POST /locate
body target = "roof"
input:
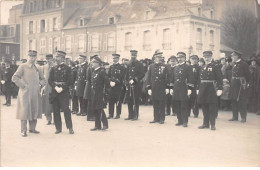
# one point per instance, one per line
(20, 6)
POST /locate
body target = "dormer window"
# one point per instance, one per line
(147, 14)
(111, 20)
(211, 14)
(81, 22)
(199, 12)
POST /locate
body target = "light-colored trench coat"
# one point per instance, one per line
(28, 78)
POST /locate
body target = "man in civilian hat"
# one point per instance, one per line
(158, 87)
(116, 75)
(209, 88)
(98, 84)
(134, 75)
(7, 82)
(29, 79)
(194, 59)
(60, 79)
(46, 90)
(81, 82)
(170, 105)
(182, 84)
(238, 89)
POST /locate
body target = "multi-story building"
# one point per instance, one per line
(9, 50)
(14, 14)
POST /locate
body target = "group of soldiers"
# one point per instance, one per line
(85, 89)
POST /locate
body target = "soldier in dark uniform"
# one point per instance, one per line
(209, 88)
(81, 82)
(116, 75)
(182, 85)
(60, 79)
(98, 87)
(134, 75)
(15, 90)
(73, 88)
(158, 87)
(169, 102)
(7, 82)
(238, 89)
(193, 97)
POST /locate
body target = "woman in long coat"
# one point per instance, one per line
(29, 107)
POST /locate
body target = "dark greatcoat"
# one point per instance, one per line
(81, 79)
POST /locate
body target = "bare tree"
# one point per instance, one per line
(238, 29)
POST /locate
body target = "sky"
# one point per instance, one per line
(5, 6)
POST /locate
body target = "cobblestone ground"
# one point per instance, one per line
(132, 143)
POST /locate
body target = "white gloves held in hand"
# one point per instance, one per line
(2, 82)
(150, 92)
(167, 91)
(189, 92)
(219, 92)
(171, 91)
(112, 84)
(131, 81)
(58, 89)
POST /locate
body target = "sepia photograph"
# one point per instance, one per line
(129, 83)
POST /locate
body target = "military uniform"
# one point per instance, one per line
(60, 76)
(134, 72)
(158, 83)
(15, 89)
(210, 80)
(74, 97)
(116, 74)
(8, 85)
(81, 82)
(238, 89)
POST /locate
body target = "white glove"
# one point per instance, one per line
(2, 82)
(150, 92)
(171, 91)
(43, 91)
(219, 92)
(58, 89)
(197, 91)
(189, 92)
(167, 91)
(131, 81)
(112, 84)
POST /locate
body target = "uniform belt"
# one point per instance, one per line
(207, 81)
(238, 78)
(59, 83)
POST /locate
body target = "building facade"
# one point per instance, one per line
(10, 51)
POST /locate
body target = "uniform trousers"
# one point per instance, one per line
(133, 109)
(111, 107)
(83, 105)
(209, 113)
(159, 110)
(32, 125)
(75, 103)
(239, 106)
(182, 110)
(100, 116)
(8, 97)
(193, 103)
(62, 102)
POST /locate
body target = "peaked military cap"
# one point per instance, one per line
(49, 56)
(237, 53)
(194, 56)
(181, 54)
(92, 57)
(83, 56)
(32, 53)
(24, 60)
(157, 54)
(133, 52)
(115, 55)
(173, 57)
(207, 53)
(61, 53)
(7, 60)
(96, 59)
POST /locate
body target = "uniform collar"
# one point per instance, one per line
(238, 60)
(182, 63)
(30, 64)
(97, 68)
(116, 63)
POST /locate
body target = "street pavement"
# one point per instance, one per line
(131, 143)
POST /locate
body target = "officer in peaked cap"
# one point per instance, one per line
(238, 89)
(60, 79)
(134, 75)
(194, 59)
(183, 84)
(32, 53)
(7, 81)
(210, 87)
(98, 84)
(116, 74)
(157, 84)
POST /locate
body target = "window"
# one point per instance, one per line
(31, 7)
(30, 27)
(199, 39)
(199, 12)
(42, 46)
(166, 39)
(147, 15)
(30, 44)
(68, 44)
(1, 32)
(43, 25)
(55, 24)
(111, 20)
(7, 49)
(211, 15)
(147, 40)
(81, 22)
(111, 42)
(128, 41)
(81, 43)
(55, 44)
(211, 40)
(57, 3)
(94, 42)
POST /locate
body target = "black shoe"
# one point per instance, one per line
(185, 125)
(243, 121)
(49, 123)
(174, 114)
(167, 114)
(73, 112)
(34, 131)
(135, 118)
(58, 131)
(84, 114)
(71, 131)
(195, 116)
(8, 104)
(109, 117)
(178, 124)
(213, 128)
(95, 129)
(104, 128)
(24, 134)
(233, 119)
(79, 114)
(128, 118)
(203, 127)
(161, 122)
(153, 121)
(5, 104)
(117, 117)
